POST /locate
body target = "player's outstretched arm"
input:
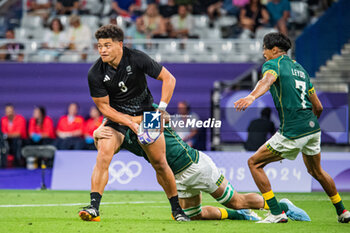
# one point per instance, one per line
(260, 89)
(317, 107)
(102, 104)
(168, 86)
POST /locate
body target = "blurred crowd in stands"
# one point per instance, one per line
(72, 132)
(145, 19)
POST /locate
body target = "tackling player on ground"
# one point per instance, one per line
(195, 172)
(118, 86)
(298, 107)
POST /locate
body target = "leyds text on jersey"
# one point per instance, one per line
(298, 73)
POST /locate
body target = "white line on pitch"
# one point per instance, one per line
(135, 202)
(82, 204)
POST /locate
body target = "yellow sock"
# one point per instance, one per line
(338, 204)
(266, 206)
(271, 201)
(335, 199)
(268, 195)
(224, 214)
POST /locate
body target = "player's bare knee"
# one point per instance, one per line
(234, 203)
(315, 174)
(103, 160)
(159, 165)
(251, 163)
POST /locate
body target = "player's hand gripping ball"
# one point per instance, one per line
(147, 136)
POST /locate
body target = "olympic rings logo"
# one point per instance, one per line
(125, 173)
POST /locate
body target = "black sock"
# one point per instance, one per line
(95, 198)
(174, 202)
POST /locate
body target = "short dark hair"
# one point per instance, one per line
(110, 31)
(277, 39)
(9, 105)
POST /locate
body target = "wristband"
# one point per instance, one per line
(162, 106)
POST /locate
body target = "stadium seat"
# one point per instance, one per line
(213, 33)
(41, 58)
(69, 58)
(200, 25)
(156, 56)
(196, 47)
(236, 58)
(105, 20)
(261, 32)
(177, 58)
(299, 13)
(90, 20)
(92, 58)
(32, 47)
(94, 7)
(249, 47)
(107, 7)
(38, 33)
(226, 21)
(209, 58)
(64, 20)
(169, 47)
(22, 33)
(222, 48)
(121, 22)
(31, 22)
(200, 21)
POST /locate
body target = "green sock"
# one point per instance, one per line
(234, 215)
(284, 207)
(274, 206)
(339, 207)
(338, 203)
(272, 202)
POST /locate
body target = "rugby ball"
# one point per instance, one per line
(147, 136)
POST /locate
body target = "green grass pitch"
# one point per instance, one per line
(121, 211)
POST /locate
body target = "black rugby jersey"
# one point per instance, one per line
(126, 86)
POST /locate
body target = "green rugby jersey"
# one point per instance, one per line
(290, 93)
(179, 155)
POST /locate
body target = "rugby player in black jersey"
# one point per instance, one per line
(118, 86)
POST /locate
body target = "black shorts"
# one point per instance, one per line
(123, 128)
(118, 127)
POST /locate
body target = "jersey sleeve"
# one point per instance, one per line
(271, 68)
(147, 64)
(96, 86)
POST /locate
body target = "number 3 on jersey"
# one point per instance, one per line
(122, 86)
(301, 85)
